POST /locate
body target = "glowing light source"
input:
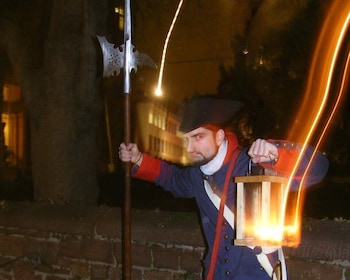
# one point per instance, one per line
(261, 212)
(158, 90)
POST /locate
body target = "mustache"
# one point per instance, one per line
(204, 160)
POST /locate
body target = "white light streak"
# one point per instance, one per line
(158, 91)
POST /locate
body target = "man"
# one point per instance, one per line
(211, 149)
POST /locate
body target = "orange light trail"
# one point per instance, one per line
(344, 83)
(321, 76)
(158, 90)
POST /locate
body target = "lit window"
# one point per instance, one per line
(120, 12)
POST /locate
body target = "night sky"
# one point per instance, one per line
(201, 39)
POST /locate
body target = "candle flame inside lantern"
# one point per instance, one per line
(274, 233)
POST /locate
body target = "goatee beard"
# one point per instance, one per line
(203, 161)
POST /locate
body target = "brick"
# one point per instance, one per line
(23, 271)
(64, 262)
(88, 249)
(80, 270)
(347, 274)
(99, 272)
(165, 257)
(33, 233)
(60, 236)
(5, 276)
(45, 251)
(11, 246)
(190, 260)
(307, 270)
(115, 273)
(156, 275)
(141, 255)
(6, 264)
(51, 277)
(117, 251)
(47, 269)
(187, 276)
(137, 274)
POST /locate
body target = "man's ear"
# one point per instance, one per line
(220, 136)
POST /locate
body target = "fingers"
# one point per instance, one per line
(130, 153)
(261, 151)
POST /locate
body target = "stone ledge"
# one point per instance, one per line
(321, 239)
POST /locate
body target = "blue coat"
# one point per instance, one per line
(233, 262)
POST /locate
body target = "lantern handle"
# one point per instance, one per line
(250, 168)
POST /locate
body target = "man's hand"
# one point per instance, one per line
(262, 151)
(130, 153)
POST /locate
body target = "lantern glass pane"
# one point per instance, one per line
(252, 207)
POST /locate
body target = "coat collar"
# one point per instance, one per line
(232, 145)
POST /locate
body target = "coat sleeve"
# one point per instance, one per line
(311, 169)
(148, 170)
(175, 179)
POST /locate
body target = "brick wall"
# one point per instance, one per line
(51, 242)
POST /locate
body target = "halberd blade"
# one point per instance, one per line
(113, 58)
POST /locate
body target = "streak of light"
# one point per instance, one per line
(342, 91)
(321, 75)
(158, 90)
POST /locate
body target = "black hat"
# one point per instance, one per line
(204, 110)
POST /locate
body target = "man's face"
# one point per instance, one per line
(202, 145)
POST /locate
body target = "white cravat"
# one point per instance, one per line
(214, 165)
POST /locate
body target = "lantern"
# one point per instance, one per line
(261, 212)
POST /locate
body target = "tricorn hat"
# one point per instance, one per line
(207, 110)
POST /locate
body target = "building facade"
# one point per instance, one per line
(157, 131)
(13, 133)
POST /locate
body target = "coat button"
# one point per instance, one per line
(227, 248)
(257, 250)
(227, 272)
(227, 260)
(226, 236)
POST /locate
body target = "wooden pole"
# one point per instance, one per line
(113, 61)
(126, 249)
(127, 127)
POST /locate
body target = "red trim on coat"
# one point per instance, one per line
(232, 145)
(149, 168)
(286, 161)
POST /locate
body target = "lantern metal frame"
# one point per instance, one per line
(261, 205)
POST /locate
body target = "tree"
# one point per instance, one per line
(271, 63)
(53, 53)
